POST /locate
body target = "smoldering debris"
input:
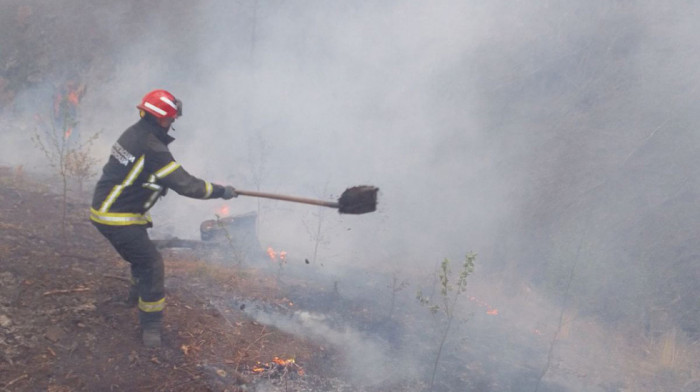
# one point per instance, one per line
(366, 357)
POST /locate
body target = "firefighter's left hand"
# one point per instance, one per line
(229, 193)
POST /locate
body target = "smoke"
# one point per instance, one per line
(347, 99)
(548, 137)
(341, 95)
(366, 358)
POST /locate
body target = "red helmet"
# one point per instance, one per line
(161, 104)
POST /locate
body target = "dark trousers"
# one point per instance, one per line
(147, 270)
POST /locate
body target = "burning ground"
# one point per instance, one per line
(63, 327)
(235, 325)
(228, 327)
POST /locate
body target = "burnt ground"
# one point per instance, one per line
(63, 326)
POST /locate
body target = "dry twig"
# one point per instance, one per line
(20, 378)
(79, 257)
(68, 291)
(117, 277)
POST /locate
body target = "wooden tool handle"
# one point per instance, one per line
(331, 204)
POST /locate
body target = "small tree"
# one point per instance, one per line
(65, 152)
(315, 230)
(449, 293)
(281, 259)
(237, 253)
(317, 225)
(395, 286)
(80, 165)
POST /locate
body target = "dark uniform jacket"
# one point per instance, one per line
(141, 169)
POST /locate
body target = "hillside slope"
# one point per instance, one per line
(63, 326)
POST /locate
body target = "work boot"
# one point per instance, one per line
(151, 334)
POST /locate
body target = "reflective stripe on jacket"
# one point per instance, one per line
(140, 169)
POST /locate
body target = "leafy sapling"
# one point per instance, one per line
(449, 294)
(66, 153)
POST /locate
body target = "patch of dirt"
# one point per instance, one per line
(63, 326)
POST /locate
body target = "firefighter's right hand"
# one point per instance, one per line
(229, 193)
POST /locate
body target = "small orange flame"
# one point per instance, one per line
(73, 97)
(275, 365)
(223, 211)
(69, 131)
(273, 255)
(74, 92)
(69, 97)
(481, 303)
(271, 252)
(283, 362)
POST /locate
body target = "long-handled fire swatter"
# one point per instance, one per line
(356, 200)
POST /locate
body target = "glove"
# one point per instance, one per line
(229, 193)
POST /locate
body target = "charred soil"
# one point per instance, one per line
(63, 325)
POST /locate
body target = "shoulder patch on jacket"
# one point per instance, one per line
(121, 154)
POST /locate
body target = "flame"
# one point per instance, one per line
(481, 303)
(223, 210)
(283, 362)
(65, 106)
(73, 97)
(74, 92)
(275, 365)
(271, 252)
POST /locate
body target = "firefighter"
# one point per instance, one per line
(139, 171)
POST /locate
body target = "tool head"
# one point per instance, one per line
(358, 200)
